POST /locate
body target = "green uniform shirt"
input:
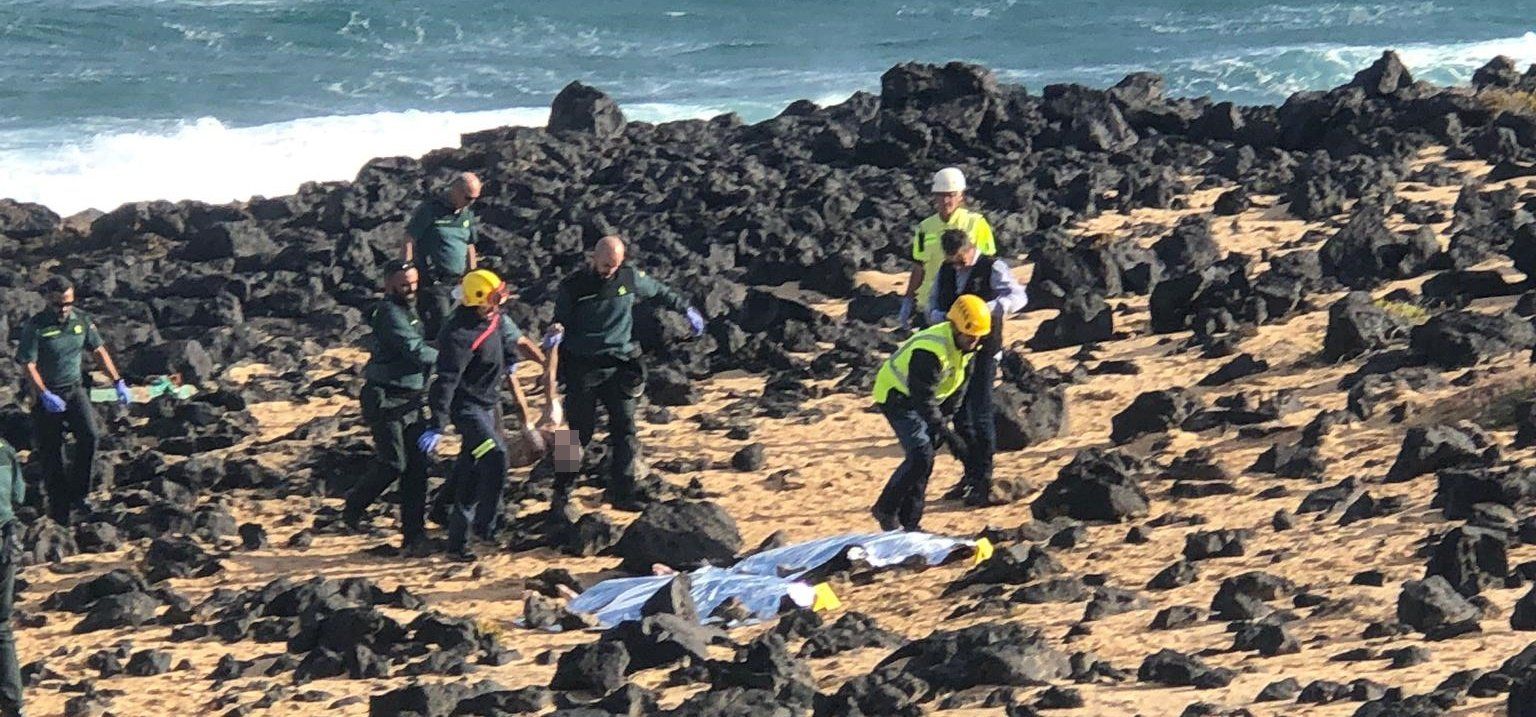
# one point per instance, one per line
(599, 314)
(13, 489)
(928, 245)
(443, 237)
(401, 357)
(55, 346)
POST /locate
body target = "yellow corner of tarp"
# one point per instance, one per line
(983, 551)
(825, 599)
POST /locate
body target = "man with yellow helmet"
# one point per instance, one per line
(474, 352)
(911, 389)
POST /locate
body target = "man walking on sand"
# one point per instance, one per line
(440, 241)
(948, 189)
(475, 354)
(600, 362)
(394, 407)
(52, 343)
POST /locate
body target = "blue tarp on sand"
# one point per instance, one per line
(761, 582)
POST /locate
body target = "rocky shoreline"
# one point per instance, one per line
(729, 213)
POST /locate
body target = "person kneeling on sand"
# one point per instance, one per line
(913, 387)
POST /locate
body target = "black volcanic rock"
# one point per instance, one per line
(580, 108)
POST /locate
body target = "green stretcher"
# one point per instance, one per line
(160, 386)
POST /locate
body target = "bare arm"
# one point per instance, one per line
(530, 350)
(519, 398)
(37, 379)
(915, 280)
(551, 388)
(410, 249)
(474, 257)
(106, 362)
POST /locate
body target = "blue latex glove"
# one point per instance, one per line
(429, 440)
(123, 396)
(696, 320)
(904, 317)
(552, 339)
(52, 403)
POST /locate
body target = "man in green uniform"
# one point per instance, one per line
(394, 406)
(600, 363)
(441, 241)
(51, 345)
(927, 246)
(13, 492)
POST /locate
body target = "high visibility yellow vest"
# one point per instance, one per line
(939, 340)
(927, 245)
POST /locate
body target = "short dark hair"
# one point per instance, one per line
(56, 284)
(399, 266)
(953, 240)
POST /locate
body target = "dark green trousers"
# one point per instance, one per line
(10, 667)
(396, 418)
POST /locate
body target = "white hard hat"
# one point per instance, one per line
(948, 179)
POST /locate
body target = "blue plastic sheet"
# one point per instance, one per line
(762, 581)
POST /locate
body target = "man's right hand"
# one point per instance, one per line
(52, 403)
(429, 440)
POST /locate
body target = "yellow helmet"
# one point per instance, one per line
(970, 316)
(482, 287)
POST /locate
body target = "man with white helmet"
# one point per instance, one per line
(927, 251)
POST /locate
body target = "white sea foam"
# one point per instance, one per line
(209, 161)
(1272, 73)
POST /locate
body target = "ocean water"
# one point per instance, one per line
(108, 101)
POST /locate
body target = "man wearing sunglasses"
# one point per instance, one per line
(441, 242)
(51, 346)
